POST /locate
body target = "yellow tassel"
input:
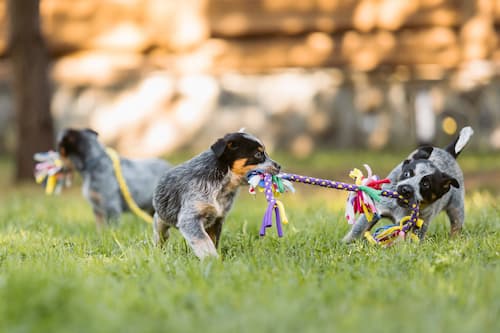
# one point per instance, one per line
(281, 209)
(368, 213)
(39, 179)
(51, 184)
(356, 174)
(370, 238)
(388, 232)
(414, 238)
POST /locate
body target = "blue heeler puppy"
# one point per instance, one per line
(81, 150)
(430, 176)
(195, 196)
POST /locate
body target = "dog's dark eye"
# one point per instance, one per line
(407, 174)
(425, 184)
(259, 155)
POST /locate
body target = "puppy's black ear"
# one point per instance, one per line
(423, 153)
(449, 180)
(91, 131)
(219, 147)
(232, 145)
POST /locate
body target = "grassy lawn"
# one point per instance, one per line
(57, 274)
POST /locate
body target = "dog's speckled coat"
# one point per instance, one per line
(196, 196)
(82, 150)
(443, 174)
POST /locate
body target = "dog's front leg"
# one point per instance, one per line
(215, 230)
(191, 225)
(99, 218)
(160, 230)
(95, 199)
(357, 230)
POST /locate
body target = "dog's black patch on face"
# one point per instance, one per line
(71, 143)
(434, 186)
(240, 150)
(423, 153)
(75, 142)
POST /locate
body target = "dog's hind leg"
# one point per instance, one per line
(455, 212)
(160, 230)
(191, 227)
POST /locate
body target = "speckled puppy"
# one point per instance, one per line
(431, 176)
(196, 195)
(81, 150)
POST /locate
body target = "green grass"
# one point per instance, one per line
(57, 274)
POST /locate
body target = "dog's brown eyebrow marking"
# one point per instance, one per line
(261, 149)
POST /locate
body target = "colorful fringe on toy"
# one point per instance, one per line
(405, 229)
(362, 202)
(50, 172)
(271, 185)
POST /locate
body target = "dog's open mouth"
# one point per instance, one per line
(273, 170)
(407, 195)
(405, 203)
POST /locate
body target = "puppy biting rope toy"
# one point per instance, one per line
(50, 172)
(365, 192)
(271, 185)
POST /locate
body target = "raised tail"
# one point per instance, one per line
(456, 147)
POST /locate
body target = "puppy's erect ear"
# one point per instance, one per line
(449, 180)
(91, 131)
(219, 147)
(423, 153)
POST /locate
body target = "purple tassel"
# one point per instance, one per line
(267, 220)
(278, 222)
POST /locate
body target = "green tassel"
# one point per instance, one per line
(279, 183)
(372, 193)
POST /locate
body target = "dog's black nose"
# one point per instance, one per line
(276, 165)
(406, 191)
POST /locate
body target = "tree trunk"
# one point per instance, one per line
(31, 85)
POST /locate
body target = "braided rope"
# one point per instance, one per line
(342, 186)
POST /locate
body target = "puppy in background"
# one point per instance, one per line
(430, 176)
(195, 196)
(81, 150)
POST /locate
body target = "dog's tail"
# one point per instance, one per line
(456, 147)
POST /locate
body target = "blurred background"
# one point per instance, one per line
(155, 77)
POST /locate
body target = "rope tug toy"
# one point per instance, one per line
(271, 185)
(365, 192)
(50, 172)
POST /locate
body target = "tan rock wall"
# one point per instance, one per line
(153, 75)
